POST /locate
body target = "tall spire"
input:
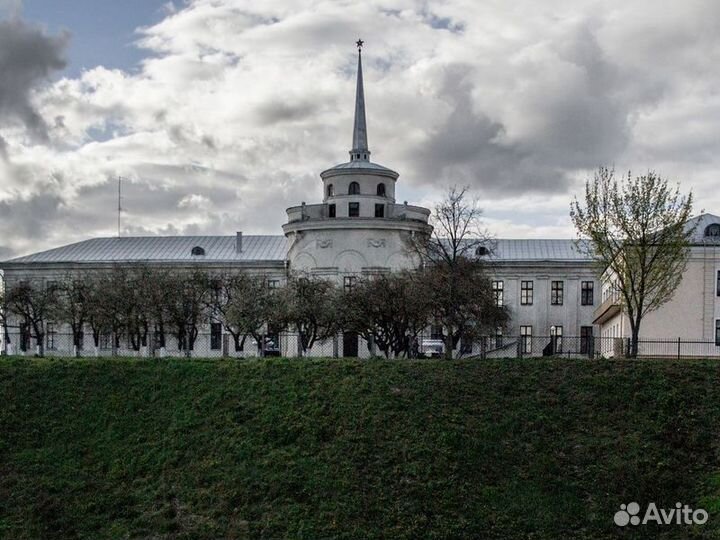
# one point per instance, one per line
(360, 151)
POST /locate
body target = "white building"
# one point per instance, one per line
(549, 286)
(689, 324)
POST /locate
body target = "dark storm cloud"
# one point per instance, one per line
(6, 253)
(577, 129)
(275, 112)
(28, 56)
(30, 217)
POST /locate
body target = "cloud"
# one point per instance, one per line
(28, 56)
(239, 105)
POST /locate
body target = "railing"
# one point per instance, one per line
(320, 212)
(208, 345)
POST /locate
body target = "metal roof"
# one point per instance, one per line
(164, 249)
(259, 248)
(536, 250)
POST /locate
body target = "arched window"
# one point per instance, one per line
(381, 190)
(197, 251)
(713, 230)
(354, 188)
(330, 190)
(482, 251)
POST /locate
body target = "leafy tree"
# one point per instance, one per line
(310, 306)
(390, 310)
(639, 235)
(4, 315)
(34, 303)
(74, 298)
(187, 299)
(455, 274)
(244, 304)
(462, 302)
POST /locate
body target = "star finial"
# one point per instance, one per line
(359, 43)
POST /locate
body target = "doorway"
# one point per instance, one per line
(350, 344)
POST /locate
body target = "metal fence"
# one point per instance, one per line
(223, 345)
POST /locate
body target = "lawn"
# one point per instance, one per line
(127, 448)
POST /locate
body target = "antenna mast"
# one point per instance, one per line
(119, 207)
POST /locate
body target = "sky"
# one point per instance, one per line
(219, 114)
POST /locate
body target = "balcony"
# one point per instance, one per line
(395, 212)
(608, 309)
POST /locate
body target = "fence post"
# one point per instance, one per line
(678, 356)
(520, 347)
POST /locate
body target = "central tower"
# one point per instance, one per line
(358, 228)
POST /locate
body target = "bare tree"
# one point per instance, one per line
(455, 271)
(34, 303)
(457, 230)
(639, 235)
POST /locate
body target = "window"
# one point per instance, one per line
(330, 190)
(498, 290)
(482, 251)
(436, 331)
(526, 339)
(349, 283)
(381, 190)
(50, 336)
(354, 188)
(717, 332)
(586, 293)
(215, 336)
(273, 283)
(379, 210)
(526, 293)
(556, 293)
(586, 340)
(197, 251)
(498, 337)
(556, 333)
(106, 340)
(331, 210)
(353, 209)
(713, 230)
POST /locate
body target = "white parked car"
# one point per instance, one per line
(432, 348)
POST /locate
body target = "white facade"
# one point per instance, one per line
(692, 316)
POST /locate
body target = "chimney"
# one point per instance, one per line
(238, 242)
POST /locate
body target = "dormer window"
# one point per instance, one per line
(381, 190)
(330, 190)
(713, 230)
(197, 251)
(354, 188)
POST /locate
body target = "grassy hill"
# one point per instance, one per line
(349, 449)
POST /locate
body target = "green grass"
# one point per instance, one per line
(350, 449)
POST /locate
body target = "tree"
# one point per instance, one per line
(35, 304)
(310, 307)
(639, 235)
(244, 304)
(455, 273)
(187, 299)
(4, 317)
(390, 310)
(74, 297)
